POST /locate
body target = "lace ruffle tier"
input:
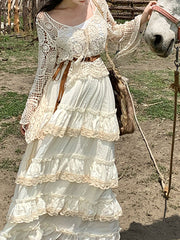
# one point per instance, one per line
(94, 117)
(75, 159)
(61, 228)
(64, 234)
(96, 172)
(83, 186)
(53, 204)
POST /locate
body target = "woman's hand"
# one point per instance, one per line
(147, 12)
(24, 128)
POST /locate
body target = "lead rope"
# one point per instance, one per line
(176, 87)
(166, 188)
(161, 177)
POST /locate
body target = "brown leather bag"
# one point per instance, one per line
(123, 101)
(123, 98)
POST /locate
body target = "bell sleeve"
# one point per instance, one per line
(46, 63)
(124, 38)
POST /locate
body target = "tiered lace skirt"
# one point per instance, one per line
(65, 179)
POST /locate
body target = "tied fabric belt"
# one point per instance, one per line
(65, 74)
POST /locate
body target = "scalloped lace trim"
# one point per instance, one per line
(28, 210)
(67, 177)
(72, 132)
(71, 167)
(60, 132)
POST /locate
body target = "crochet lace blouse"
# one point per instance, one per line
(59, 42)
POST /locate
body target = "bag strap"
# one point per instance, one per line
(106, 47)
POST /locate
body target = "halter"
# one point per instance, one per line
(176, 87)
(169, 16)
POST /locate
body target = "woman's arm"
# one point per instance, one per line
(46, 63)
(124, 38)
(147, 12)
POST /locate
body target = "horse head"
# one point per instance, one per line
(161, 33)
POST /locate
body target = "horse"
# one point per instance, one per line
(162, 33)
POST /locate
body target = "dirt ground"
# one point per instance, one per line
(139, 192)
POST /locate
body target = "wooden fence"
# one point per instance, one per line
(18, 13)
(21, 13)
(126, 9)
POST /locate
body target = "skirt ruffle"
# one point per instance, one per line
(88, 109)
(42, 204)
(65, 179)
(61, 228)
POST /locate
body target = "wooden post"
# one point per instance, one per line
(132, 12)
(34, 11)
(30, 15)
(9, 16)
(0, 14)
(4, 14)
(16, 17)
(25, 15)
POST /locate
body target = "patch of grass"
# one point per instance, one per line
(121, 21)
(162, 169)
(174, 207)
(169, 134)
(151, 91)
(3, 88)
(161, 108)
(7, 129)
(139, 95)
(9, 164)
(152, 80)
(18, 151)
(11, 104)
(16, 53)
(24, 70)
(154, 177)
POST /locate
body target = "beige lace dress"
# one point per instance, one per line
(65, 179)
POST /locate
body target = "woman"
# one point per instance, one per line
(65, 179)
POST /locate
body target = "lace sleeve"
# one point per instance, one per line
(122, 38)
(46, 63)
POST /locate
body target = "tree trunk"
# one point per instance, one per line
(25, 15)
(16, 17)
(34, 11)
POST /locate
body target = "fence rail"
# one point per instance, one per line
(126, 9)
(14, 12)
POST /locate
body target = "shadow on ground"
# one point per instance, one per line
(159, 230)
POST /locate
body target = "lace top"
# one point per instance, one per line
(59, 42)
